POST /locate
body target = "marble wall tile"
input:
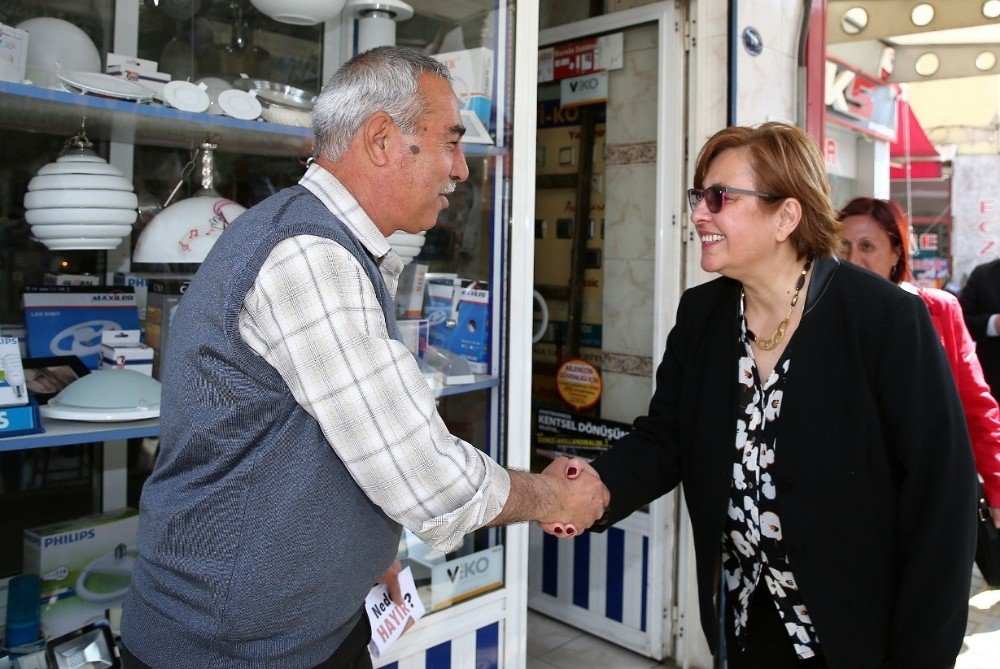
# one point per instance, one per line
(624, 363)
(777, 21)
(627, 311)
(640, 37)
(636, 153)
(632, 99)
(629, 212)
(766, 88)
(625, 397)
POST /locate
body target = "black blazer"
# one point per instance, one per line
(874, 468)
(980, 298)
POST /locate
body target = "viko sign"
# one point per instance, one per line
(586, 90)
(466, 577)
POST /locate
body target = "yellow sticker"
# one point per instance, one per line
(579, 383)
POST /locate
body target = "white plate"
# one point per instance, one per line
(85, 215)
(53, 410)
(79, 181)
(77, 231)
(105, 84)
(110, 199)
(239, 104)
(79, 167)
(186, 96)
(82, 244)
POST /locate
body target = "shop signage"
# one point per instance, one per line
(586, 90)
(573, 434)
(927, 241)
(986, 227)
(579, 383)
(860, 101)
(830, 151)
(586, 56)
(465, 577)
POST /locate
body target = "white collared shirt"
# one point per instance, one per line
(314, 316)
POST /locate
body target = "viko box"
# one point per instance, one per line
(85, 567)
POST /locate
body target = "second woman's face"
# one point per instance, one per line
(865, 242)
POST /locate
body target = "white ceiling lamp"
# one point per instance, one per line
(377, 21)
(185, 231)
(299, 12)
(80, 201)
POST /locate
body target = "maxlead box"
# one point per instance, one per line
(68, 320)
(85, 567)
(472, 78)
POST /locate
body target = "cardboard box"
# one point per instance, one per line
(71, 279)
(150, 79)
(131, 62)
(415, 335)
(439, 305)
(472, 74)
(13, 53)
(122, 349)
(410, 291)
(140, 281)
(161, 302)
(13, 392)
(68, 320)
(470, 338)
(84, 565)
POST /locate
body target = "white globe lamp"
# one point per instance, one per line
(299, 12)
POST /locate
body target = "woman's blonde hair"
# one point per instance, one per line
(785, 162)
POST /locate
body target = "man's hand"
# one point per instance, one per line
(391, 580)
(570, 470)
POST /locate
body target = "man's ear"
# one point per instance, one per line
(377, 134)
(789, 216)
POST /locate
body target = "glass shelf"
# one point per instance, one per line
(36, 109)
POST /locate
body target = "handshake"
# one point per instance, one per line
(581, 498)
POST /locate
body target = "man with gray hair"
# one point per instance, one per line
(297, 432)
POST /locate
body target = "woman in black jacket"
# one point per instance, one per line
(808, 409)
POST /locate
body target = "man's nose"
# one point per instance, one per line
(460, 168)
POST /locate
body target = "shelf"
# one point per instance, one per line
(482, 382)
(36, 109)
(68, 432)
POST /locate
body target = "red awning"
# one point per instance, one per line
(912, 148)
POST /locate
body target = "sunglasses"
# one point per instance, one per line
(715, 196)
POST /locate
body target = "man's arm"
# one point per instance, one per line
(555, 498)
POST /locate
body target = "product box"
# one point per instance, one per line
(140, 281)
(131, 62)
(162, 299)
(410, 291)
(470, 336)
(472, 75)
(68, 320)
(440, 307)
(123, 349)
(150, 79)
(415, 335)
(13, 392)
(13, 53)
(85, 567)
(71, 279)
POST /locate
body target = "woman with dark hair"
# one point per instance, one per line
(876, 236)
(825, 462)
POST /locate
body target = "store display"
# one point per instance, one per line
(123, 349)
(110, 395)
(13, 53)
(240, 104)
(214, 86)
(12, 389)
(24, 616)
(80, 201)
(377, 21)
(186, 96)
(163, 296)
(105, 84)
(275, 93)
(153, 80)
(299, 12)
(407, 245)
(54, 44)
(185, 231)
(472, 79)
(93, 645)
(284, 116)
(47, 376)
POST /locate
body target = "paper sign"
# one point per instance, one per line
(388, 619)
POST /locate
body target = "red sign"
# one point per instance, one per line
(575, 58)
(928, 241)
(831, 151)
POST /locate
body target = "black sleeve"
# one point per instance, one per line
(977, 315)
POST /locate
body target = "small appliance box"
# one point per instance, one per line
(68, 320)
(13, 53)
(472, 75)
(140, 282)
(85, 567)
(471, 336)
(410, 291)
(161, 302)
(122, 349)
(71, 279)
(415, 334)
(13, 392)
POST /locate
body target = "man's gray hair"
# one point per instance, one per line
(382, 79)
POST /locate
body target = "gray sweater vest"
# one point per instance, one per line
(256, 547)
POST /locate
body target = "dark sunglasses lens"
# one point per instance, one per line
(694, 197)
(713, 198)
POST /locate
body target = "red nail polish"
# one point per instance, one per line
(571, 471)
(557, 530)
(570, 531)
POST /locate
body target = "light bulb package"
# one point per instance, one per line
(84, 566)
(12, 389)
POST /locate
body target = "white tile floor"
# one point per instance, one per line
(553, 645)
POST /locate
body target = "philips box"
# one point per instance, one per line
(85, 567)
(140, 282)
(472, 78)
(13, 392)
(121, 349)
(68, 320)
(470, 337)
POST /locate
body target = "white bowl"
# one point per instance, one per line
(79, 167)
(79, 181)
(114, 199)
(300, 12)
(83, 244)
(107, 395)
(54, 44)
(81, 216)
(80, 230)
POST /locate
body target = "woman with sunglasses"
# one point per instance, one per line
(876, 236)
(826, 467)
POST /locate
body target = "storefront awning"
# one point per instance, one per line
(912, 148)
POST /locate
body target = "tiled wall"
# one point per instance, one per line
(766, 83)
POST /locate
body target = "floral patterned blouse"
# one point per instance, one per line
(752, 541)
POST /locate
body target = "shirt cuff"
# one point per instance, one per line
(993, 326)
(445, 533)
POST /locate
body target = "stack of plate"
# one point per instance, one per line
(80, 202)
(407, 245)
(282, 104)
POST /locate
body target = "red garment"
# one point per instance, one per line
(981, 412)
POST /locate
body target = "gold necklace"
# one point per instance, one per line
(770, 343)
